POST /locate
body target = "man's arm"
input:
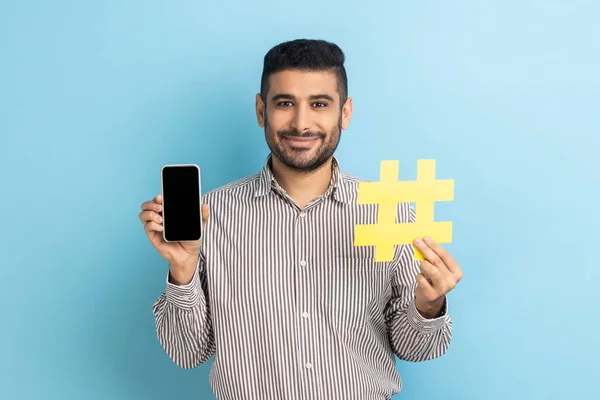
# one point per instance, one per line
(414, 337)
(418, 330)
(183, 324)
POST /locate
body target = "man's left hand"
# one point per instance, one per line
(439, 275)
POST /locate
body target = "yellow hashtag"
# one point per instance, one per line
(387, 193)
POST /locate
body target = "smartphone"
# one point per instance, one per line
(181, 193)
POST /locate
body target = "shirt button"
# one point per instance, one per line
(304, 314)
(186, 298)
(303, 263)
(308, 365)
(302, 214)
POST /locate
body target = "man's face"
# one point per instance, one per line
(302, 117)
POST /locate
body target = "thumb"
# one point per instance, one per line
(204, 214)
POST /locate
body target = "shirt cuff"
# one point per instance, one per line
(185, 296)
(426, 325)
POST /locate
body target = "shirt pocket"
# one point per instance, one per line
(354, 292)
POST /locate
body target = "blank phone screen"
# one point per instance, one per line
(182, 217)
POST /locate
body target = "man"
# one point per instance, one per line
(277, 291)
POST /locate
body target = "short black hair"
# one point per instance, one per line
(308, 55)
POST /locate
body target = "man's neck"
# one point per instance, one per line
(302, 187)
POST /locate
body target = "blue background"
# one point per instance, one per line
(96, 96)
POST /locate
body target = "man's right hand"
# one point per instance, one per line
(182, 256)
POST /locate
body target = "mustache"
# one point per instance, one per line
(295, 133)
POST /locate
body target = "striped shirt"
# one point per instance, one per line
(288, 306)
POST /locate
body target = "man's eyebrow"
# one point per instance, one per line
(287, 96)
(282, 96)
(321, 97)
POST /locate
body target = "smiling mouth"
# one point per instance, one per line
(301, 141)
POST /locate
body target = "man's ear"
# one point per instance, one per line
(346, 113)
(260, 111)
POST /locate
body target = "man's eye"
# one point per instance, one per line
(320, 104)
(284, 104)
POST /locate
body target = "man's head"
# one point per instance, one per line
(304, 104)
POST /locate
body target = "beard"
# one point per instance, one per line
(303, 159)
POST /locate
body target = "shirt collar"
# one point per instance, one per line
(267, 182)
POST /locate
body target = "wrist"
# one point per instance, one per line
(432, 309)
(182, 274)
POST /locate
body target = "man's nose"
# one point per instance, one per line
(301, 121)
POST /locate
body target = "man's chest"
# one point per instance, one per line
(303, 263)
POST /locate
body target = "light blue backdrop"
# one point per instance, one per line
(96, 96)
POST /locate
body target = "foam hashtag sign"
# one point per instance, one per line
(387, 193)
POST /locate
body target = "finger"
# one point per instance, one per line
(430, 272)
(151, 226)
(158, 203)
(429, 254)
(146, 216)
(444, 255)
(423, 282)
(152, 205)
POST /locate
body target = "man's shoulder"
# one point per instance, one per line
(351, 182)
(245, 186)
(352, 179)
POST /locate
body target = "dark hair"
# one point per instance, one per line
(308, 55)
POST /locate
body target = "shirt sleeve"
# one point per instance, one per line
(412, 336)
(183, 323)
